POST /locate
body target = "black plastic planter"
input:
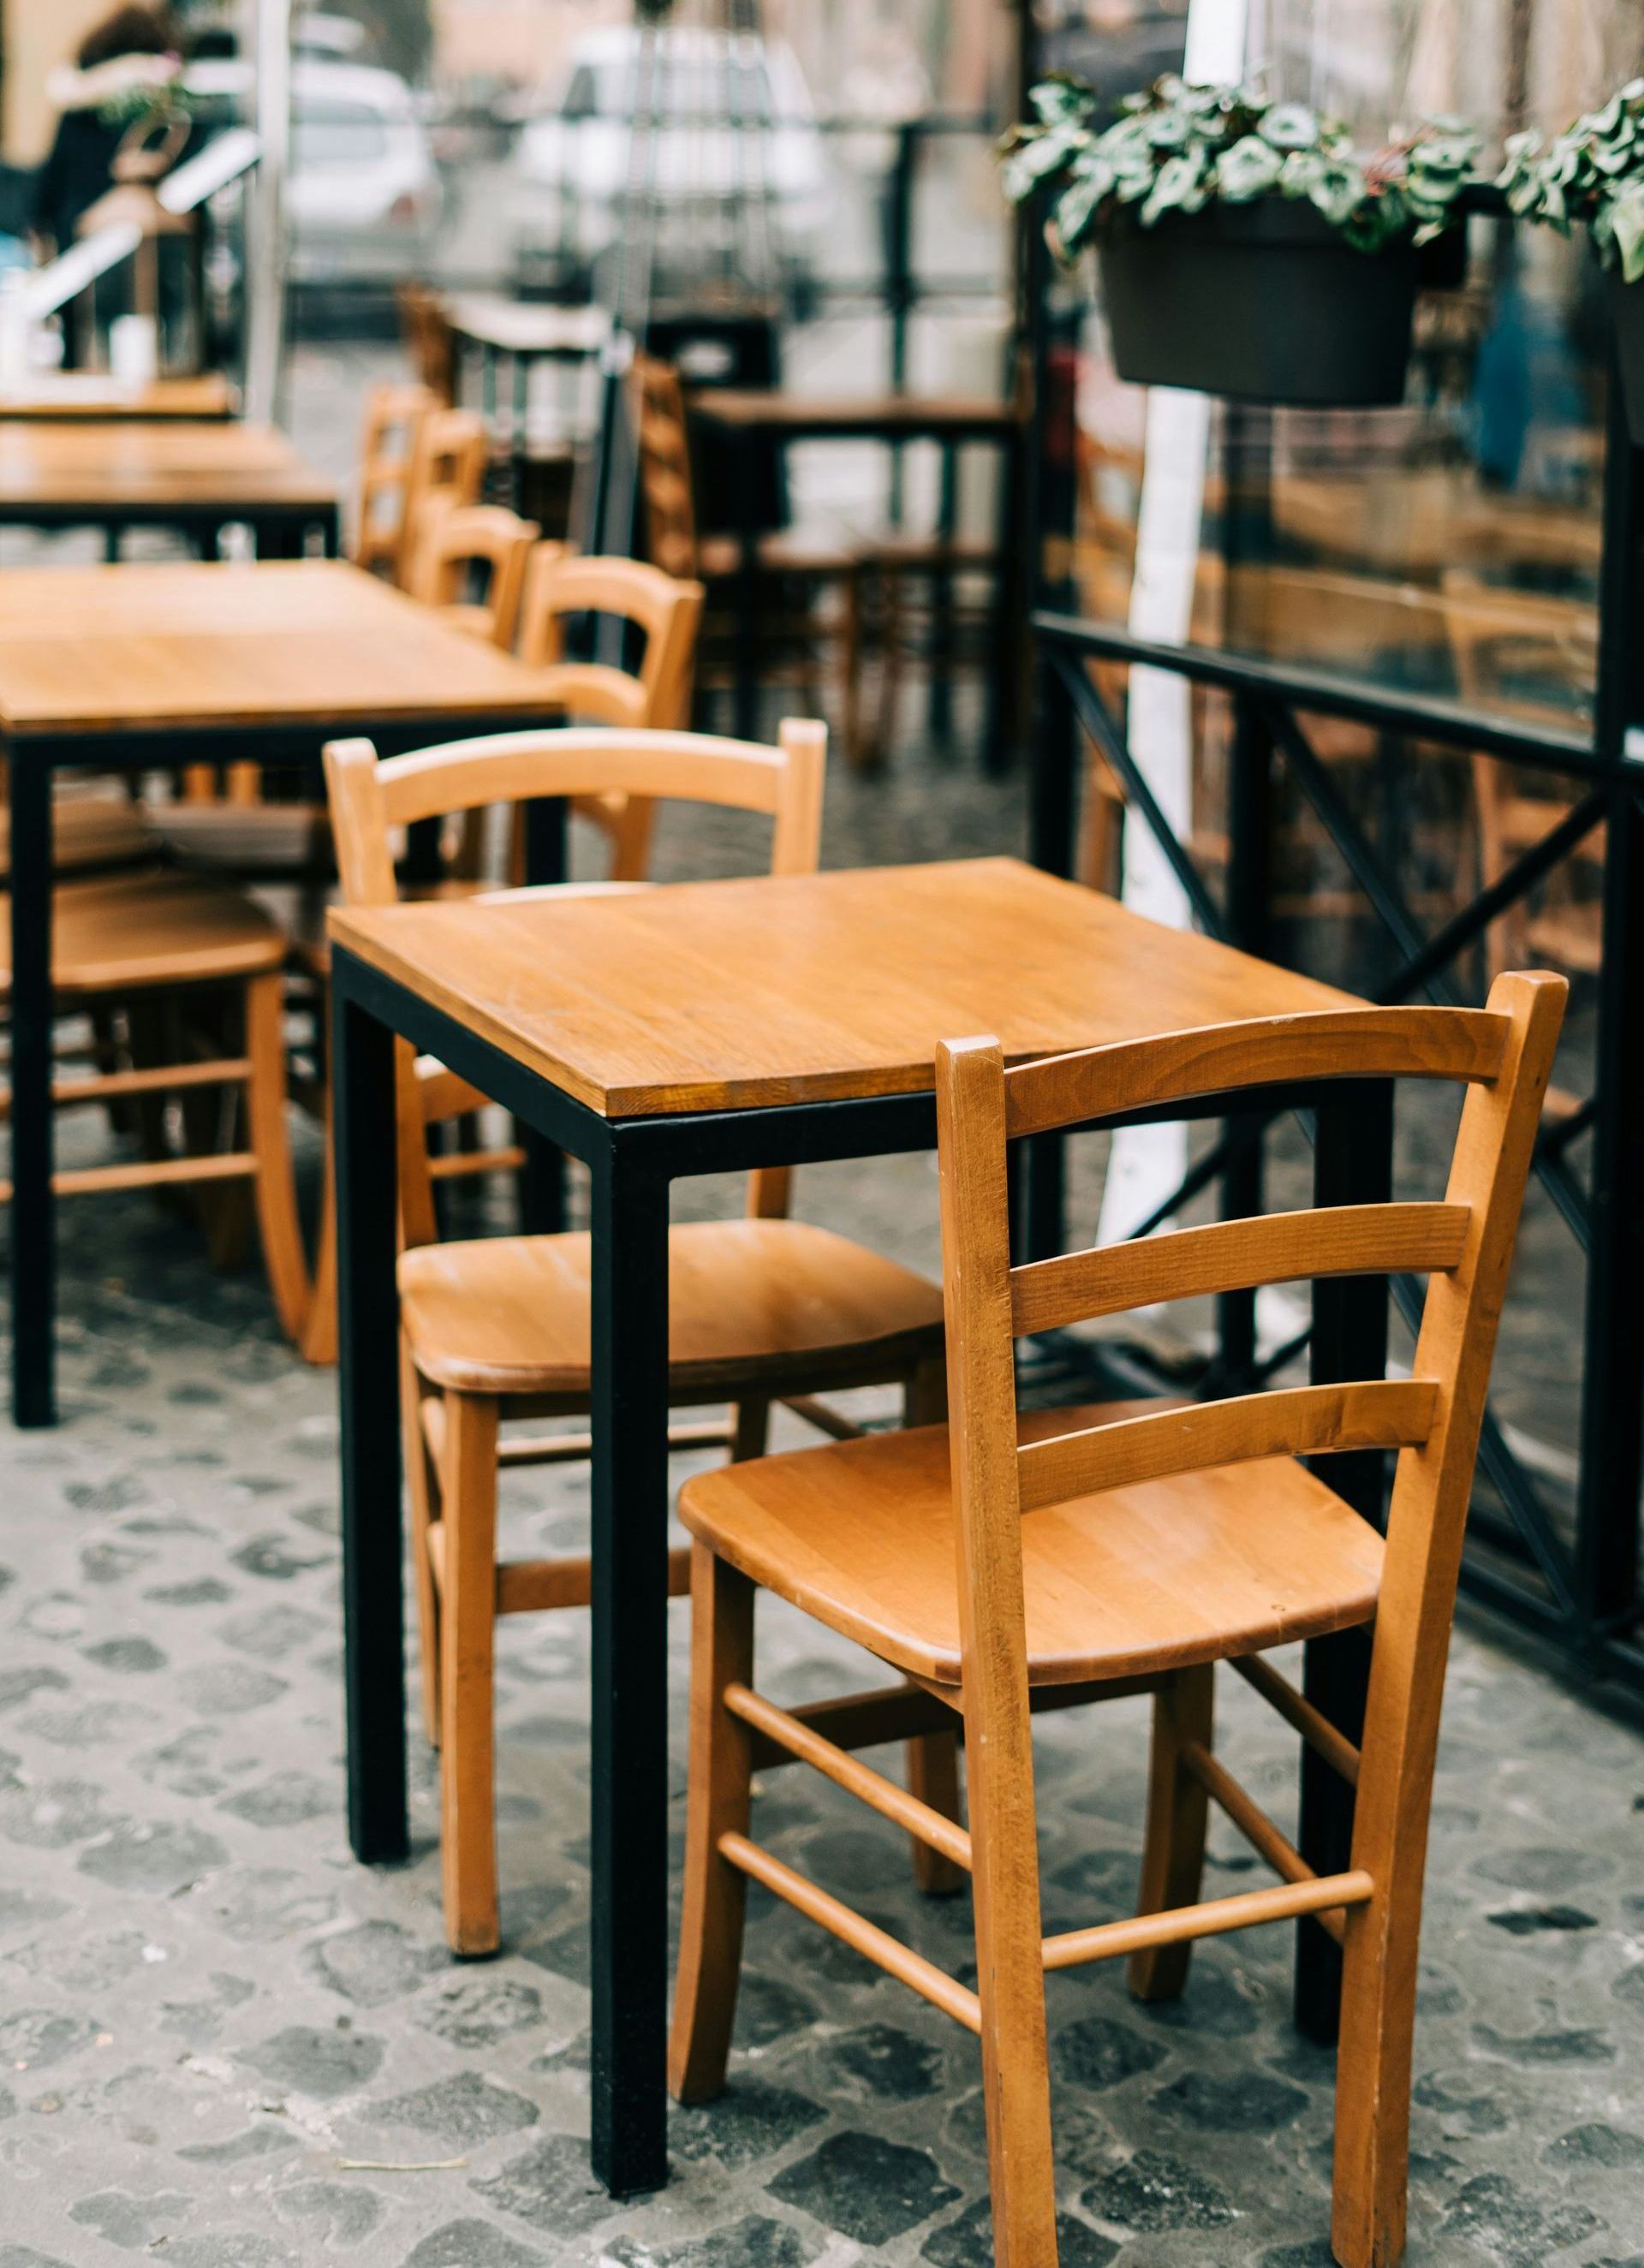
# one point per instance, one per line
(1262, 302)
(1626, 310)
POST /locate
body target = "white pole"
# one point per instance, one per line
(266, 41)
(1146, 1162)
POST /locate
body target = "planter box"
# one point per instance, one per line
(1261, 302)
(1627, 312)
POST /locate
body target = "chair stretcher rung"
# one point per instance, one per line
(162, 1078)
(463, 1165)
(1109, 1939)
(876, 1945)
(1316, 1730)
(881, 1794)
(1252, 1822)
(825, 1419)
(162, 1172)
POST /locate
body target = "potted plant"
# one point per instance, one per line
(1594, 172)
(1245, 248)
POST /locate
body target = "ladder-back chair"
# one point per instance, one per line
(762, 1309)
(394, 412)
(1513, 649)
(456, 544)
(1006, 1562)
(447, 471)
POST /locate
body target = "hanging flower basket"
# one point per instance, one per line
(1594, 172)
(1245, 250)
(1262, 302)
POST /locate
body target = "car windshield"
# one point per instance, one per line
(331, 133)
(678, 88)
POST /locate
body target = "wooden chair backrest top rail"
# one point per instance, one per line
(666, 608)
(1444, 1043)
(1502, 1054)
(464, 536)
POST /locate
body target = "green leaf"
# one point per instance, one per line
(1291, 126)
(1249, 169)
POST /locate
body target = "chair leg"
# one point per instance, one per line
(277, 1222)
(933, 1758)
(750, 1430)
(422, 1482)
(1173, 1855)
(320, 1328)
(711, 1924)
(1378, 1990)
(1010, 1980)
(468, 1622)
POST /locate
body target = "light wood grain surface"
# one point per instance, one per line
(741, 994)
(118, 461)
(815, 417)
(142, 647)
(95, 394)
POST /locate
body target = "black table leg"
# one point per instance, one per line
(744, 667)
(363, 1136)
(630, 1698)
(34, 1217)
(543, 1209)
(1250, 840)
(1353, 1165)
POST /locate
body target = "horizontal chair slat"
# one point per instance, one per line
(1460, 1044)
(875, 1944)
(163, 1173)
(1320, 1895)
(514, 767)
(1302, 1421)
(1235, 1256)
(857, 1780)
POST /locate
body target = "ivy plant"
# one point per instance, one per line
(1593, 172)
(1176, 148)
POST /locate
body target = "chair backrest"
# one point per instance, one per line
(662, 437)
(456, 541)
(371, 799)
(447, 472)
(386, 449)
(1502, 1053)
(666, 611)
(429, 341)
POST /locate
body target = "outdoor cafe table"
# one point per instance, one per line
(63, 393)
(135, 667)
(194, 476)
(697, 1029)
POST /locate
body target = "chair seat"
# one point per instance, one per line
(1194, 1568)
(93, 823)
(773, 1304)
(132, 931)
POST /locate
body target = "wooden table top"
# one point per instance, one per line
(714, 996)
(140, 647)
(119, 461)
(95, 394)
(526, 327)
(822, 417)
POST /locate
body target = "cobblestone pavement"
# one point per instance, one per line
(224, 2045)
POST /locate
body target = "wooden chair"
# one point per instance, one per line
(457, 543)
(1497, 638)
(1005, 1563)
(676, 544)
(394, 414)
(558, 586)
(430, 344)
(762, 1309)
(447, 471)
(164, 964)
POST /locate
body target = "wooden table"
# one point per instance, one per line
(194, 476)
(130, 667)
(95, 394)
(701, 1028)
(528, 330)
(757, 416)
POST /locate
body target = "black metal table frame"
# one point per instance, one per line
(278, 531)
(1592, 1591)
(631, 1163)
(30, 760)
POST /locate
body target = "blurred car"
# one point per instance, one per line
(362, 193)
(734, 128)
(363, 196)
